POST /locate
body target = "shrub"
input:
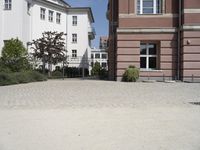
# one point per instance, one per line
(131, 74)
(57, 73)
(96, 69)
(103, 74)
(36, 76)
(14, 56)
(7, 79)
(20, 77)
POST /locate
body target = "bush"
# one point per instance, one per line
(36, 76)
(7, 79)
(72, 72)
(96, 69)
(20, 77)
(103, 74)
(57, 73)
(131, 74)
(14, 56)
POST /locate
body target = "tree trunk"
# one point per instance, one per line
(50, 69)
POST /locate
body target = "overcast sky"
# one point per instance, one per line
(99, 8)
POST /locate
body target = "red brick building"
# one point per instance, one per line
(161, 37)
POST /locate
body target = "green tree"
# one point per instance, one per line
(14, 56)
(96, 69)
(50, 49)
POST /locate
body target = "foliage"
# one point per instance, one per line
(57, 73)
(50, 49)
(14, 57)
(131, 74)
(72, 72)
(7, 79)
(103, 74)
(96, 69)
(20, 77)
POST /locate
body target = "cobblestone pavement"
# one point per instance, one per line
(98, 94)
(99, 115)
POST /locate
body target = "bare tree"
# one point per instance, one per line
(50, 49)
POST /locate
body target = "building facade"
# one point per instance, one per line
(160, 37)
(103, 43)
(100, 56)
(28, 19)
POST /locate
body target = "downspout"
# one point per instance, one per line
(113, 42)
(179, 40)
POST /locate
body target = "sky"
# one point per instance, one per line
(99, 8)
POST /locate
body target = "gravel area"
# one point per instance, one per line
(98, 94)
(100, 115)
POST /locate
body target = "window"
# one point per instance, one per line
(103, 56)
(8, 4)
(74, 20)
(50, 16)
(149, 6)
(97, 55)
(104, 64)
(58, 16)
(92, 56)
(42, 13)
(148, 56)
(74, 53)
(74, 38)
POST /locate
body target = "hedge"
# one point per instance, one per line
(20, 77)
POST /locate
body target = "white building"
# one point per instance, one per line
(100, 56)
(28, 19)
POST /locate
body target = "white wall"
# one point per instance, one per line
(39, 26)
(14, 22)
(82, 45)
(27, 26)
(1, 23)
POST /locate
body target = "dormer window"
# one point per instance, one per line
(8, 4)
(149, 6)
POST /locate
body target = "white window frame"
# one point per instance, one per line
(147, 56)
(58, 18)
(42, 13)
(7, 4)
(103, 63)
(74, 38)
(155, 11)
(74, 53)
(74, 21)
(97, 54)
(51, 15)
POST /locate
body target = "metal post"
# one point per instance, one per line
(63, 69)
(83, 64)
(163, 77)
(192, 78)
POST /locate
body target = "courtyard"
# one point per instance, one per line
(100, 115)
